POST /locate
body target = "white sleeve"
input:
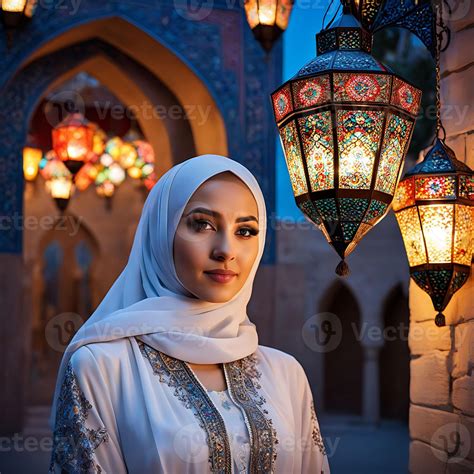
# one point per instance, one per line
(314, 457)
(85, 436)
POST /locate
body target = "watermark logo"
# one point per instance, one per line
(196, 10)
(60, 329)
(322, 332)
(455, 440)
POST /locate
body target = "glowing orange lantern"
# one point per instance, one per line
(73, 141)
(31, 160)
(268, 19)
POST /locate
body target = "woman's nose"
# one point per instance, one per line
(223, 249)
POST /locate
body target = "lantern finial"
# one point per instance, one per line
(440, 320)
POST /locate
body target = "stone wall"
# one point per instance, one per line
(442, 359)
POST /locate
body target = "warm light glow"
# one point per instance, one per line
(73, 138)
(76, 150)
(437, 224)
(98, 141)
(116, 174)
(410, 227)
(127, 155)
(106, 159)
(356, 167)
(31, 160)
(144, 150)
(61, 187)
(13, 5)
(463, 234)
(251, 10)
(114, 147)
(106, 189)
(83, 179)
(267, 12)
(134, 172)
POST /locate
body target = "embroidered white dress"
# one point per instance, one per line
(126, 407)
(235, 425)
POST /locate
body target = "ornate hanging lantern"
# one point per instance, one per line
(434, 207)
(73, 141)
(345, 123)
(14, 13)
(268, 19)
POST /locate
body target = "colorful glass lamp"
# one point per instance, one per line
(268, 19)
(73, 141)
(345, 123)
(434, 207)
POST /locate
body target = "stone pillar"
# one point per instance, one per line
(371, 385)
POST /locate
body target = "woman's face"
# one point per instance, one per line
(217, 231)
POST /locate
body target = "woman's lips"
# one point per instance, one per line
(220, 277)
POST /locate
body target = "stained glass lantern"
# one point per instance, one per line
(345, 122)
(14, 13)
(268, 19)
(73, 141)
(434, 207)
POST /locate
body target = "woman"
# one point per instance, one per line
(167, 374)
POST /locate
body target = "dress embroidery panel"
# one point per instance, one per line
(235, 423)
(242, 381)
(74, 443)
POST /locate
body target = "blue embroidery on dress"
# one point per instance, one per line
(73, 442)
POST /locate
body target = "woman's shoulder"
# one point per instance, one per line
(100, 354)
(279, 360)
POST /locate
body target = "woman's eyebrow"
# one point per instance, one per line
(203, 210)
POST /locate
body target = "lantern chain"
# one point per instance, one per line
(443, 37)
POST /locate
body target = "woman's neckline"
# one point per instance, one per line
(217, 391)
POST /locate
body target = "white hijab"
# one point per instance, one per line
(149, 301)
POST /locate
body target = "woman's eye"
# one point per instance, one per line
(250, 231)
(199, 224)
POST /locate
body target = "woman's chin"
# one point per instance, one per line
(217, 295)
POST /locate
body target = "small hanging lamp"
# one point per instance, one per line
(73, 141)
(434, 207)
(31, 160)
(268, 19)
(14, 14)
